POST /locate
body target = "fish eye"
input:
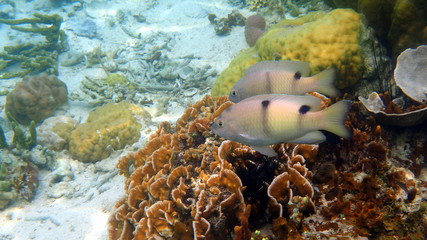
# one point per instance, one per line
(233, 92)
(220, 123)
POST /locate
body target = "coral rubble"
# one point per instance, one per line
(186, 183)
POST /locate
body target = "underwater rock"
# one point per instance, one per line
(54, 133)
(399, 24)
(82, 27)
(410, 73)
(36, 98)
(108, 128)
(254, 28)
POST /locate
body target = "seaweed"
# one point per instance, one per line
(20, 138)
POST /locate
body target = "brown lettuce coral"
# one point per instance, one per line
(187, 183)
(181, 187)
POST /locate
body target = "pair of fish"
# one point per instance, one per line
(270, 108)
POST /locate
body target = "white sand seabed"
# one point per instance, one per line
(78, 205)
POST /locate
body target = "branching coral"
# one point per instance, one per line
(34, 58)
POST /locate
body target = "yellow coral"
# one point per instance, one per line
(112, 125)
(323, 39)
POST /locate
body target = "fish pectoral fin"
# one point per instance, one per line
(314, 137)
(265, 150)
(249, 137)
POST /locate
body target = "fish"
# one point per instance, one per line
(264, 120)
(284, 77)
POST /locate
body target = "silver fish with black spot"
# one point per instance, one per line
(284, 77)
(268, 119)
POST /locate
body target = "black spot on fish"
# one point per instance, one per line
(265, 103)
(297, 76)
(267, 82)
(264, 116)
(304, 109)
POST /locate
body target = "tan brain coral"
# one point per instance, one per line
(113, 125)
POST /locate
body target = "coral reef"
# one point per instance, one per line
(34, 57)
(373, 190)
(181, 187)
(195, 182)
(35, 98)
(400, 24)
(110, 127)
(223, 26)
(187, 183)
(335, 39)
(18, 178)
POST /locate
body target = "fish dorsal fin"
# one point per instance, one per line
(288, 66)
(313, 137)
(313, 103)
(266, 150)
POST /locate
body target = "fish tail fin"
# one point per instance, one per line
(335, 117)
(325, 82)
